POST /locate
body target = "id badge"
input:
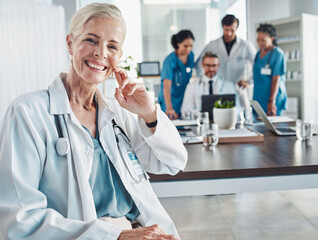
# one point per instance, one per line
(266, 71)
(139, 171)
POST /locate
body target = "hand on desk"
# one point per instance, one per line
(151, 232)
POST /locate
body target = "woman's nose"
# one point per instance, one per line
(100, 52)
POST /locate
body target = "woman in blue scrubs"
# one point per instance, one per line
(176, 73)
(269, 72)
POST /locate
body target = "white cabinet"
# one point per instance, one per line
(298, 38)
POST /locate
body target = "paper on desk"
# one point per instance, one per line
(179, 123)
(280, 119)
(190, 137)
(195, 139)
(241, 132)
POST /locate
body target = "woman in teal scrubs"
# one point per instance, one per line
(269, 72)
(176, 73)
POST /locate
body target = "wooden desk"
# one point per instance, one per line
(278, 163)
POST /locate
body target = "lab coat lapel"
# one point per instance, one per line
(223, 51)
(80, 197)
(235, 48)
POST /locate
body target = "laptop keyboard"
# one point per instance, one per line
(285, 129)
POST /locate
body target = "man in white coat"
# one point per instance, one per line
(209, 82)
(236, 58)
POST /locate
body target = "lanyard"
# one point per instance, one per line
(124, 146)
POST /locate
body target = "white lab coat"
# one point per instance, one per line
(200, 86)
(234, 67)
(44, 196)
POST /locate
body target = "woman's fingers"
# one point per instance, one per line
(120, 75)
(151, 232)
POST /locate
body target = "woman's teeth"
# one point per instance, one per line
(101, 68)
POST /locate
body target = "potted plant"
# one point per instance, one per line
(224, 114)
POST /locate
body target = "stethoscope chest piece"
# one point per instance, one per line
(62, 147)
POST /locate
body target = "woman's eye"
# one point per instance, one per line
(90, 40)
(113, 48)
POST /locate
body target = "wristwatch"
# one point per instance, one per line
(152, 124)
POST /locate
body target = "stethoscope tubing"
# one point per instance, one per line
(63, 144)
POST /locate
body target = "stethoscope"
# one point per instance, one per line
(138, 174)
(178, 73)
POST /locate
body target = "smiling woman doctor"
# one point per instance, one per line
(72, 163)
(176, 73)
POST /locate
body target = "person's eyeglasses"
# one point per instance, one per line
(211, 66)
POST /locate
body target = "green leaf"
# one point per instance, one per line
(225, 104)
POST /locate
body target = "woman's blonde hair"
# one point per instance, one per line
(92, 10)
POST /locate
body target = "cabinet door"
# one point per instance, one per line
(310, 67)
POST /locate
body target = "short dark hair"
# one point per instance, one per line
(180, 37)
(269, 29)
(209, 54)
(229, 19)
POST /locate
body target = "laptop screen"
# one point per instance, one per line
(207, 102)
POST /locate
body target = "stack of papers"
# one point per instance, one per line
(179, 123)
(240, 135)
(230, 133)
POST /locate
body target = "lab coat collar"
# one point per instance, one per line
(59, 102)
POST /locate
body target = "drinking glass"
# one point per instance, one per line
(187, 115)
(210, 135)
(248, 115)
(202, 117)
(304, 129)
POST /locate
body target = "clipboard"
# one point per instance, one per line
(245, 135)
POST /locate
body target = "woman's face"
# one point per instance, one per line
(264, 41)
(96, 49)
(185, 47)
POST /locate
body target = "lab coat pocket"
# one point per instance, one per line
(239, 59)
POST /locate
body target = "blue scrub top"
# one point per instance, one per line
(111, 198)
(174, 70)
(262, 83)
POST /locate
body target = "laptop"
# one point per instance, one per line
(207, 102)
(281, 131)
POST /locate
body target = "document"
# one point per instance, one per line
(241, 132)
(179, 122)
(190, 137)
(240, 135)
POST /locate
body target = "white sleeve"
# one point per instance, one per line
(23, 207)
(161, 152)
(251, 52)
(189, 99)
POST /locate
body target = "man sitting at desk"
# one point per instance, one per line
(209, 83)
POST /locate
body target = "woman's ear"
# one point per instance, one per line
(69, 42)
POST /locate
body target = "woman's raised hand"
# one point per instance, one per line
(134, 97)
